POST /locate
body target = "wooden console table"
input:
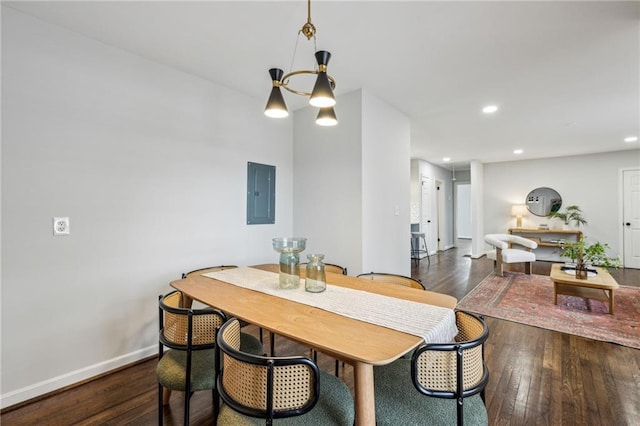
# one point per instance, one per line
(548, 238)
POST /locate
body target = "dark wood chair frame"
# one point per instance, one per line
(459, 348)
(195, 271)
(333, 265)
(189, 347)
(270, 363)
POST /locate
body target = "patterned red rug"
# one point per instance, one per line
(528, 299)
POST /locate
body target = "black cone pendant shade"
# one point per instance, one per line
(276, 108)
(326, 117)
(322, 94)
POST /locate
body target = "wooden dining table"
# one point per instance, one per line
(360, 344)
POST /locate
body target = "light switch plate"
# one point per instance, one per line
(61, 226)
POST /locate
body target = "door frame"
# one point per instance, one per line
(440, 214)
(432, 227)
(621, 209)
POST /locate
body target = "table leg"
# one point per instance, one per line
(186, 301)
(611, 302)
(365, 404)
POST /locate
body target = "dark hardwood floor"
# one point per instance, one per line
(538, 377)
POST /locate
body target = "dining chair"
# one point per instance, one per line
(275, 390)
(202, 271)
(189, 364)
(393, 279)
(442, 384)
(190, 336)
(330, 267)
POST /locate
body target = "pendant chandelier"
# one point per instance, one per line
(322, 94)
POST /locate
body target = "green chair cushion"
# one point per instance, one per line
(335, 407)
(171, 369)
(250, 344)
(398, 402)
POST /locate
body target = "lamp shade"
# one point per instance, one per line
(276, 107)
(326, 117)
(322, 94)
(519, 210)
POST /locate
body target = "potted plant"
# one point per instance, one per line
(585, 255)
(571, 215)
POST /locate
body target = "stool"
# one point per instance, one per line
(415, 252)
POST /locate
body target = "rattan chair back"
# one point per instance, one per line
(393, 279)
(207, 270)
(186, 332)
(183, 329)
(454, 370)
(262, 386)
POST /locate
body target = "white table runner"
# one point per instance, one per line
(432, 323)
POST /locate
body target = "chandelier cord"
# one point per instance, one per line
(295, 49)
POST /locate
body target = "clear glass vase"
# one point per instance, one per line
(316, 280)
(289, 249)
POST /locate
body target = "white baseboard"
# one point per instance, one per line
(14, 397)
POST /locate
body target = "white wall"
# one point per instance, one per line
(349, 180)
(328, 183)
(589, 181)
(386, 187)
(150, 165)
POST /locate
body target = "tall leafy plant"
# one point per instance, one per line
(571, 215)
(585, 255)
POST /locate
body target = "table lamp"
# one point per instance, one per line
(518, 211)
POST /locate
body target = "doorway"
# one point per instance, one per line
(462, 193)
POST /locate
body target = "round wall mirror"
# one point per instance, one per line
(542, 201)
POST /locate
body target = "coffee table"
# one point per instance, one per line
(599, 286)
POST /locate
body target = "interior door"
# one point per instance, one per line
(426, 223)
(440, 222)
(631, 218)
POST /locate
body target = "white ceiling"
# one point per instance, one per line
(566, 75)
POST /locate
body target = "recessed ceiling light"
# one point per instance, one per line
(489, 109)
(446, 159)
(631, 139)
(518, 151)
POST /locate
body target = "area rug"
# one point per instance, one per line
(528, 299)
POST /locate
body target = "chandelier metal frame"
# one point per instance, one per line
(322, 94)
